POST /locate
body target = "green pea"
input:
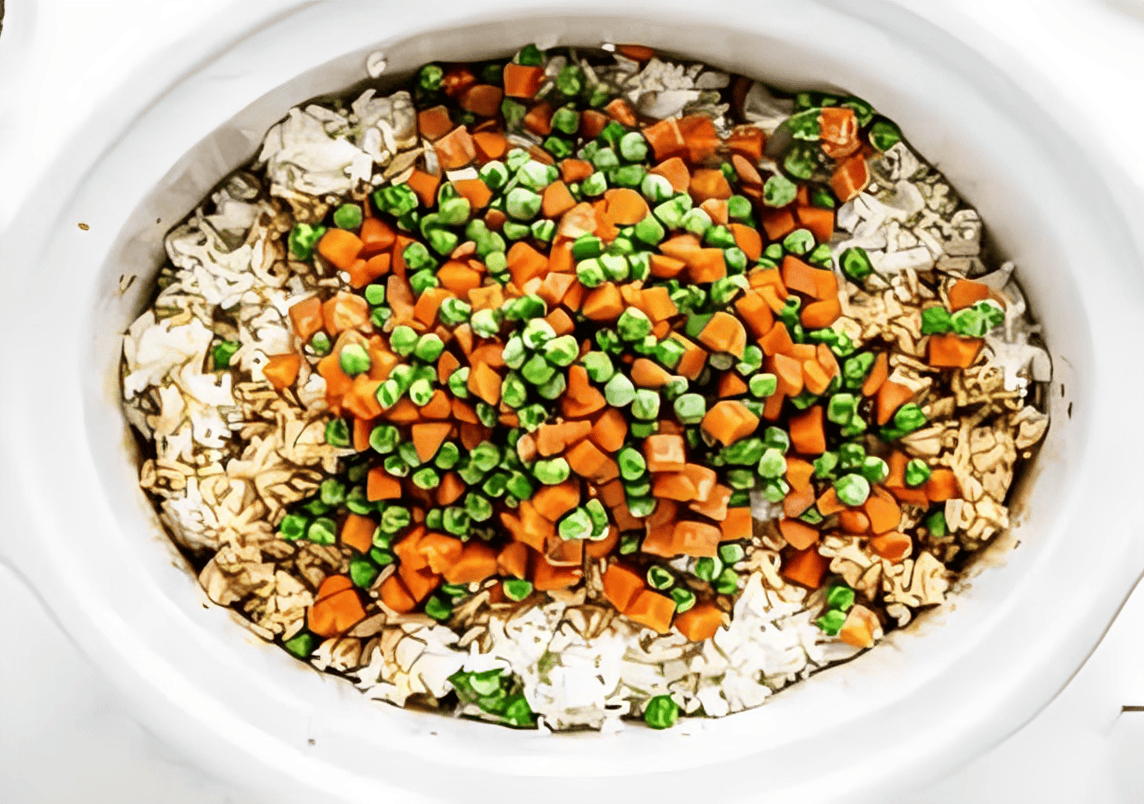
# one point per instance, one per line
(429, 347)
(659, 578)
(551, 472)
(403, 340)
(322, 530)
(852, 489)
(917, 472)
(598, 365)
(684, 599)
(292, 527)
(633, 324)
(516, 589)
(855, 263)
(337, 433)
(303, 238)
(661, 712)
(831, 622)
(302, 644)
(576, 524)
(840, 597)
(645, 404)
(772, 464)
(778, 191)
(632, 464)
(732, 553)
(619, 391)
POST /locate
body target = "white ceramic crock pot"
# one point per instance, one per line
(77, 527)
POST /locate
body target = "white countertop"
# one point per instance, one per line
(64, 735)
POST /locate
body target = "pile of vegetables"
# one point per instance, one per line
(595, 349)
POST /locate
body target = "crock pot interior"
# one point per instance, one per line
(978, 145)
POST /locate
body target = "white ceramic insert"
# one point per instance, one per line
(78, 528)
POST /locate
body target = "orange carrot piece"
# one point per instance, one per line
(666, 141)
(807, 433)
(747, 141)
(748, 239)
(748, 173)
(553, 502)
(376, 236)
(799, 535)
(700, 622)
(485, 383)
(724, 333)
(700, 136)
(489, 145)
(942, 485)
(525, 262)
(482, 99)
(665, 453)
(652, 610)
(731, 384)
(755, 313)
(778, 223)
(603, 303)
(340, 248)
(592, 122)
(798, 275)
(799, 473)
(647, 374)
(513, 560)
(966, 293)
(878, 374)
(424, 185)
(697, 539)
(820, 314)
(952, 351)
(776, 341)
(575, 170)
(439, 551)
(891, 396)
(892, 546)
(475, 191)
(306, 317)
(882, 512)
(621, 585)
(345, 311)
(556, 200)
(547, 577)
(728, 421)
(281, 370)
(538, 120)
(357, 532)
(434, 123)
(522, 81)
(796, 503)
(335, 614)
(819, 221)
(738, 524)
(626, 207)
(428, 437)
(636, 52)
(456, 149)
(709, 183)
(396, 596)
(450, 490)
(381, 486)
(850, 178)
(621, 111)
(610, 430)
(804, 567)
(859, 628)
(476, 563)
(419, 582)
